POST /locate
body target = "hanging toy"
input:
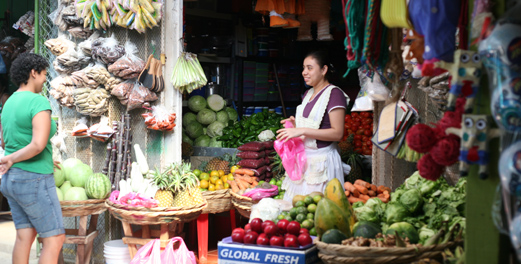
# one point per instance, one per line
(436, 21)
(315, 11)
(475, 135)
(466, 73)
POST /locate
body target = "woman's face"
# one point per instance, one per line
(312, 72)
(40, 79)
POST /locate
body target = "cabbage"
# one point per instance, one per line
(214, 143)
(412, 200)
(215, 129)
(69, 165)
(206, 116)
(404, 229)
(194, 129)
(425, 233)
(365, 213)
(222, 117)
(202, 141)
(196, 103)
(395, 212)
(187, 139)
(232, 114)
(215, 102)
(189, 118)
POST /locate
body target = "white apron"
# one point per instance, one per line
(322, 164)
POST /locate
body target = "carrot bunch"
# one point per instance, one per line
(361, 191)
(243, 179)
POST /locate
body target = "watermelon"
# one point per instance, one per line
(79, 175)
(366, 229)
(60, 194)
(70, 165)
(59, 176)
(98, 186)
(333, 236)
(65, 187)
(75, 194)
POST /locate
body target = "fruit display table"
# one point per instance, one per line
(169, 219)
(85, 234)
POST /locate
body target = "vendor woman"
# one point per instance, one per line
(319, 122)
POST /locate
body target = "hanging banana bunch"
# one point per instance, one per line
(131, 14)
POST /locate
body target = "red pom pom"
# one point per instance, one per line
(421, 138)
(428, 168)
(449, 119)
(446, 151)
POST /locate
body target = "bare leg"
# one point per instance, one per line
(22, 247)
(51, 249)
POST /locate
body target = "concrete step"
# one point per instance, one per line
(8, 234)
(6, 258)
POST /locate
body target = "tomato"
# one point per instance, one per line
(348, 117)
(368, 126)
(369, 143)
(357, 119)
(367, 121)
(353, 114)
(349, 131)
(360, 131)
(367, 152)
(357, 124)
(293, 228)
(365, 138)
(357, 137)
(358, 150)
(364, 114)
(368, 133)
(358, 144)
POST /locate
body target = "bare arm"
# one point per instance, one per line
(41, 129)
(335, 133)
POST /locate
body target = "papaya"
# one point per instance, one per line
(328, 216)
(334, 191)
(333, 236)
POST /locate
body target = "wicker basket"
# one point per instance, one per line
(218, 201)
(82, 208)
(242, 204)
(334, 253)
(154, 217)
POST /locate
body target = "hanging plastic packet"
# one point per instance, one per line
(71, 61)
(86, 45)
(139, 96)
(59, 45)
(159, 119)
(80, 129)
(107, 50)
(62, 89)
(101, 131)
(128, 66)
(92, 102)
(58, 145)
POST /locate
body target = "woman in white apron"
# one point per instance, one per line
(319, 122)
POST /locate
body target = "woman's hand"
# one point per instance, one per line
(291, 119)
(287, 133)
(57, 165)
(5, 164)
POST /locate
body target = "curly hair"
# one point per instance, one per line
(22, 66)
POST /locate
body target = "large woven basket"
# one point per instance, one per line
(334, 253)
(242, 204)
(218, 201)
(82, 208)
(146, 216)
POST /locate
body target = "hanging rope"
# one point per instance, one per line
(355, 23)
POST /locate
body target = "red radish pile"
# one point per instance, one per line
(360, 124)
(282, 234)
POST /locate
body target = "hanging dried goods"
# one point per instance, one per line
(188, 75)
(128, 66)
(62, 88)
(107, 50)
(58, 46)
(133, 94)
(70, 61)
(159, 119)
(93, 102)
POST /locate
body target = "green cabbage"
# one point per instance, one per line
(187, 139)
(365, 213)
(189, 118)
(232, 114)
(196, 103)
(202, 141)
(206, 116)
(395, 212)
(194, 130)
(425, 233)
(214, 143)
(404, 229)
(215, 129)
(412, 200)
(222, 117)
(215, 102)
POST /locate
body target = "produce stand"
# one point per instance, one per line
(170, 219)
(334, 254)
(83, 236)
(243, 204)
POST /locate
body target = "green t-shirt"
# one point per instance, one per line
(17, 126)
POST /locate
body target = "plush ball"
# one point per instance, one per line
(446, 151)
(421, 138)
(428, 168)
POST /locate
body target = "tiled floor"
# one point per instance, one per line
(212, 257)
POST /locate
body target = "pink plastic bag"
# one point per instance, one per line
(181, 254)
(292, 154)
(259, 193)
(150, 253)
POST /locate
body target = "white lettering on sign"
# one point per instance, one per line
(282, 259)
(244, 255)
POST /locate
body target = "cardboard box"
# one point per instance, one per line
(248, 254)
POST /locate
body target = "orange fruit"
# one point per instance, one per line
(230, 177)
(219, 182)
(219, 187)
(204, 176)
(214, 173)
(226, 186)
(211, 187)
(221, 173)
(213, 179)
(204, 184)
(234, 167)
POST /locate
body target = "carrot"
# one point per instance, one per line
(380, 189)
(382, 198)
(387, 189)
(244, 171)
(241, 184)
(371, 193)
(349, 187)
(361, 189)
(347, 193)
(353, 200)
(386, 194)
(373, 188)
(364, 197)
(254, 183)
(234, 186)
(245, 178)
(363, 183)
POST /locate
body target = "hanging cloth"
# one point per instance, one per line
(376, 48)
(354, 13)
(463, 25)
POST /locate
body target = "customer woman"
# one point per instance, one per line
(28, 182)
(319, 122)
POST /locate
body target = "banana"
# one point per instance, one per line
(146, 5)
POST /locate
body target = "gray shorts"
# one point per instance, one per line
(33, 201)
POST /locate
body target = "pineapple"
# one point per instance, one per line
(354, 160)
(220, 163)
(346, 145)
(185, 185)
(163, 195)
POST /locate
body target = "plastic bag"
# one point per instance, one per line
(129, 66)
(251, 154)
(107, 50)
(59, 45)
(139, 96)
(133, 199)
(62, 89)
(266, 209)
(80, 129)
(86, 45)
(260, 193)
(252, 146)
(150, 253)
(251, 163)
(159, 119)
(179, 254)
(71, 61)
(292, 154)
(101, 131)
